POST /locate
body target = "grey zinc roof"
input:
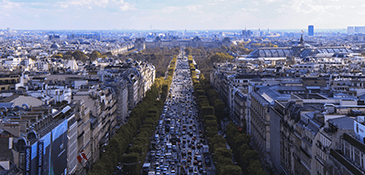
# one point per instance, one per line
(313, 127)
(345, 123)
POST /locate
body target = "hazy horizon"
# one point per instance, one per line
(180, 15)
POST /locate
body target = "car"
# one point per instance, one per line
(200, 165)
(195, 171)
(207, 161)
(191, 134)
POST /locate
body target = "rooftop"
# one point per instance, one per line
(345, 123)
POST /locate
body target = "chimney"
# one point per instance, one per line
(299, 102)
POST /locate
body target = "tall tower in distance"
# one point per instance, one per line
(310, 30)
(350, 29)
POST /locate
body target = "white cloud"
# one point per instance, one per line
(127, 6)
(170, 9)
(64, 5)
(194, 8)
(120, 4)
(250, 9)
(7, 7)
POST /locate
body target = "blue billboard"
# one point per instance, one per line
(59, 150)
(46, 158)
(34, 160)
(27, 161)
(40, 157)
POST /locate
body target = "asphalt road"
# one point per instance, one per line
(177, 146)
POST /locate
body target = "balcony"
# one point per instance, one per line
(335, 155)
(80, 130)
(306, 152)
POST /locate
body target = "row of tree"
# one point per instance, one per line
(79, 55)
(159, 57)
(209, 102)
(246, 157)
(222, 156)
(131, 142)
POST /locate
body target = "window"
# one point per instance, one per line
(357, 156)
(347, 150)
(362, 160)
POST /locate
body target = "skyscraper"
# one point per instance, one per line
(359, 29)
(246, 33)
(310, 30)
(350, 29)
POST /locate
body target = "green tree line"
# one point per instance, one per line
(222, 156)
(211, 113)
(245, 155)
(159, 57)
(131, 142)
(79, 55)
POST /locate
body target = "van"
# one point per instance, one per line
(168, 155)
(199, 158)
(168, 145)
(174, 148)
(156, 137)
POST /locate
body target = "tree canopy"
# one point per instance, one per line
(79, 55)
(94, 55)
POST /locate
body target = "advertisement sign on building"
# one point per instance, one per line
(34, 160)
(28, 154)
(359, 130)
(40, 157)
(46, 153)
(59, 149)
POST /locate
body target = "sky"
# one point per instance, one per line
(180, 14)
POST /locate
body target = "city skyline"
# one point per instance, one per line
(179, 15)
